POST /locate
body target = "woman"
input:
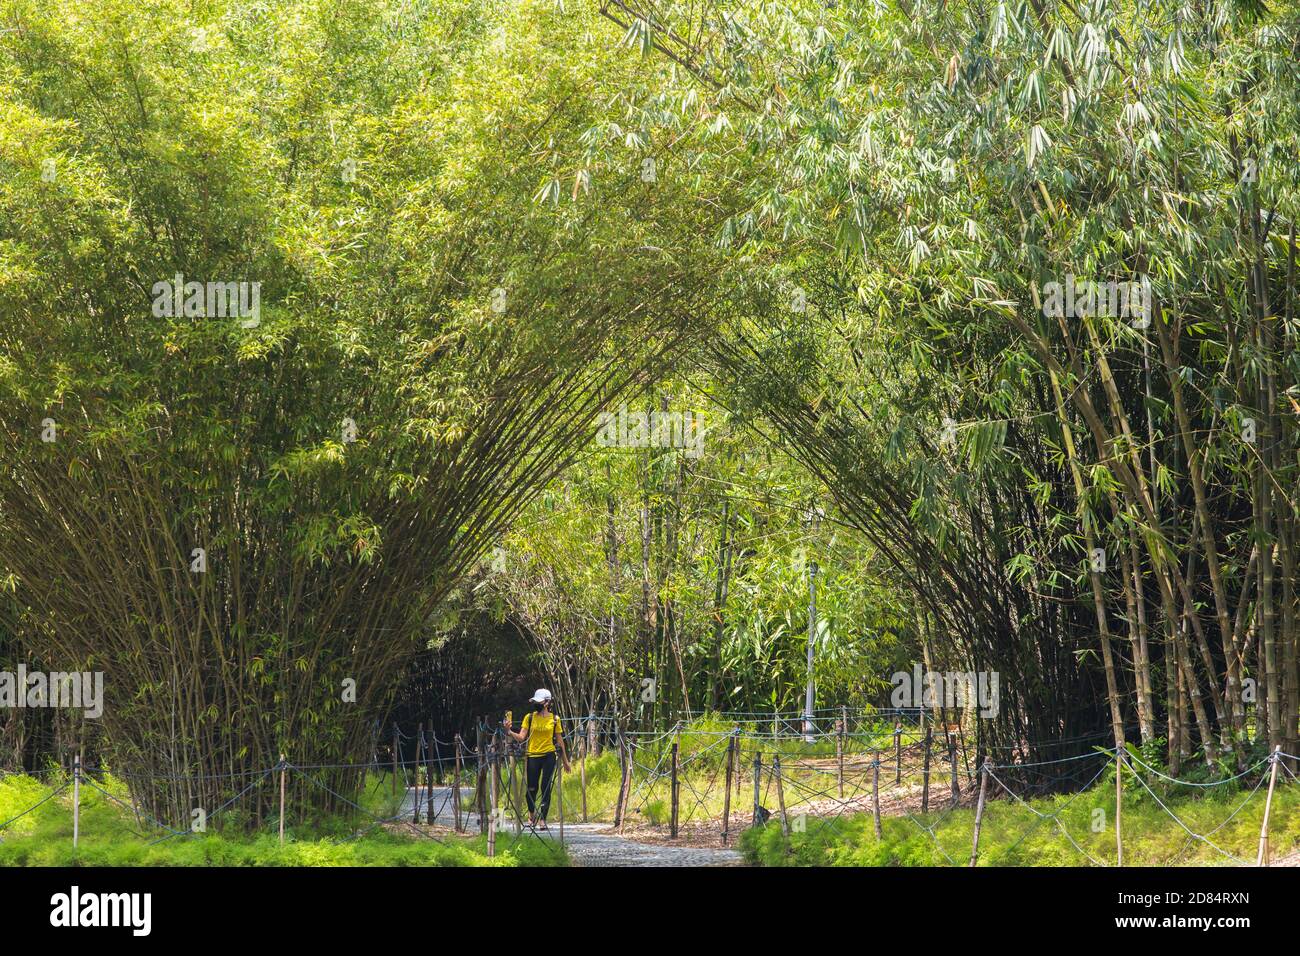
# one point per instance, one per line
(542, 730)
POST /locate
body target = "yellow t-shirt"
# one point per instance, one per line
(542, 729)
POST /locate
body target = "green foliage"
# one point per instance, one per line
(372, 164)
(924, 173)
(727, 557)
(1011, 835)
(845, 254)
(109, 837)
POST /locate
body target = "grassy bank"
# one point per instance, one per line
(1013, 835)
(110, 836)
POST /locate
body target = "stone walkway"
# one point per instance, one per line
(594, 844)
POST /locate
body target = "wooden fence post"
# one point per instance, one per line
(625, 788)
(419, 741)
(726, 791)
(1119, 803)
(979, 812)
(925, 770)
(77, 797)
(512, 763)
(433, 759)
(481, 779)
(283, 777)
(898, 753)
(952, 761)
(736, 730)
(758, 775)
(780, 795)
(839, 754)
(582, 766)
(631, 776)
(622, 776)
(397, 750)
(492, 799)
(521, 781)
(559, 773)
(497, 787)
(455, 783)
(875, 792)
(620, 743)
(1275, 758)
(672, 826)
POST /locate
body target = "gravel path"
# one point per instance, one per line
(595, 844)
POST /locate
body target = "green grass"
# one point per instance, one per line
(1011, 835)
(109, 837)
(651, 800)
(602, 788)
(702, 758)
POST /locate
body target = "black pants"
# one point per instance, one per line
(540, 771)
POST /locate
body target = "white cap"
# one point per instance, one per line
(541, 697)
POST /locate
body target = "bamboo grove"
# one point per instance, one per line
(248, 525)
(1100, 505)
(841, 229)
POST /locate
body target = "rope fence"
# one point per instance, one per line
(715, 782)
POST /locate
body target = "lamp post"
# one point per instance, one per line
(812, 636)
(813, 520)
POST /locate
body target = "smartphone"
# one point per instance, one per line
(510, 717)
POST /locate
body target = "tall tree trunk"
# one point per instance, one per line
(1209, 540)
(1094, 576)
(721, 586)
